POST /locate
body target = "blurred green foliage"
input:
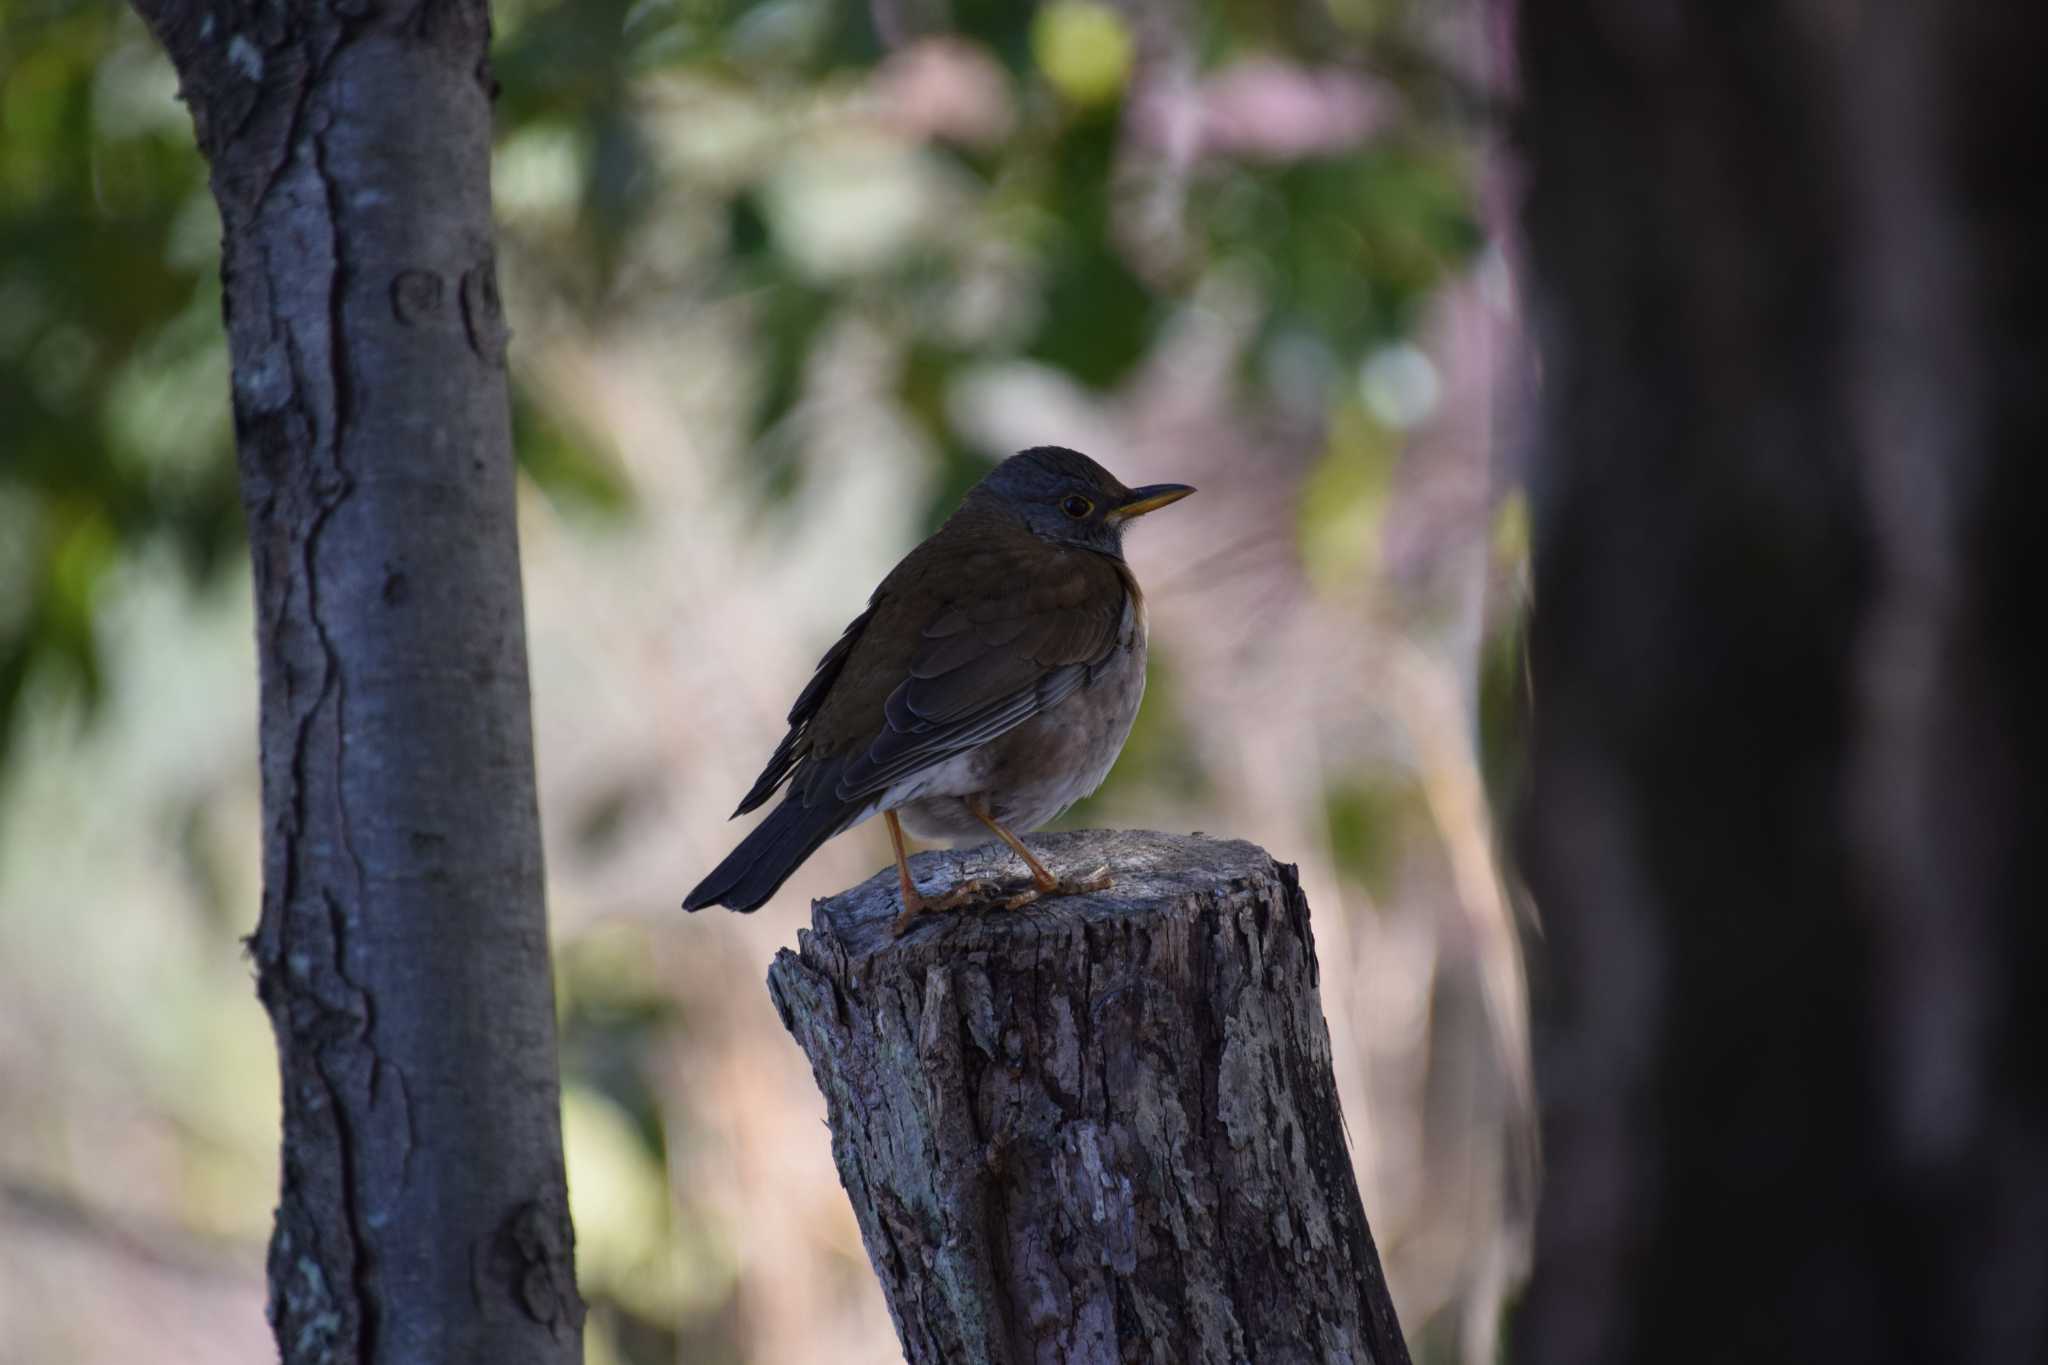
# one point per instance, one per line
(109, 306)
(1503, 673)
(1032, 186)
(115, 432)
(109, 297)
(641, 1272)
(1373, 825)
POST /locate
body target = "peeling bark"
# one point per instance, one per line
(1098, 1129)
(402, 951)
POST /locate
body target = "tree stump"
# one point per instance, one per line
(1100, 1128)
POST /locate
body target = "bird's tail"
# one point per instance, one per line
(778, 846)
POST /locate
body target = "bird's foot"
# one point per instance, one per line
(980, 894)
(975, 892)
(1036, 890)
(1098, 880)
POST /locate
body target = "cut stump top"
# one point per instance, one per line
(1149, 869)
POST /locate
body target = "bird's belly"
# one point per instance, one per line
(1032, 773)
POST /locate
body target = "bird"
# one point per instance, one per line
(989, 685)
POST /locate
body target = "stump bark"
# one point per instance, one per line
(1101, 1128)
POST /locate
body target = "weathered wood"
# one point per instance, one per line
(1102, 1128)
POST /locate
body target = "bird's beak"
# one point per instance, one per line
(1150, 498)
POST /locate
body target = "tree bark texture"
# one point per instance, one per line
(1096, 1129)
(1786, 812)
(402, 951)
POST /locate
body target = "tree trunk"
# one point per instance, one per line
(1098, 1129)
(1786, 808)
(403, 950)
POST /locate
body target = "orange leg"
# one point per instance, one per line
(1042, 879)
(913, 904)
(983, 893)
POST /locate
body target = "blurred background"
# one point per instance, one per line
(785, 279)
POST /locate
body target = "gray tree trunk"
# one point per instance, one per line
(1098, 1129)
(1787, 813)
(402, 951)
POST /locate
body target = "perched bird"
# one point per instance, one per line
(989, 685)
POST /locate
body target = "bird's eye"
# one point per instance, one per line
(1076, 506)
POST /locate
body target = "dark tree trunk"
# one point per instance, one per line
(1786, 814)
(403, 949)
(1099, 1129)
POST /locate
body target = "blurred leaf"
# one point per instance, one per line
(599, 827)
(1503, 704)
(115, 433)
(1003, 26)
(746, 230)
(788, 316)
(1098, 316)
(566, 464)
(1344, 499)
(1351, 245)
(1372, 824)
(628, 1248)
(570, 64)
(1083, 48)
(1511, 530)
(613, 1012)
(922, 389)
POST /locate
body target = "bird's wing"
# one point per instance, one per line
(984, 663)
(791, 751)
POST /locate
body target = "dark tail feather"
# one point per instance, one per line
(778, 846)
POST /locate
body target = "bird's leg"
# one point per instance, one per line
(983, 894)
(1044, 881)
(977, 806)
(913, 904)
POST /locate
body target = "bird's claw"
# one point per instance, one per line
(978, 893)
(974, 890)
(1098, 880)
(966, 893)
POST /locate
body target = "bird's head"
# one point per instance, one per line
(1063, 496)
